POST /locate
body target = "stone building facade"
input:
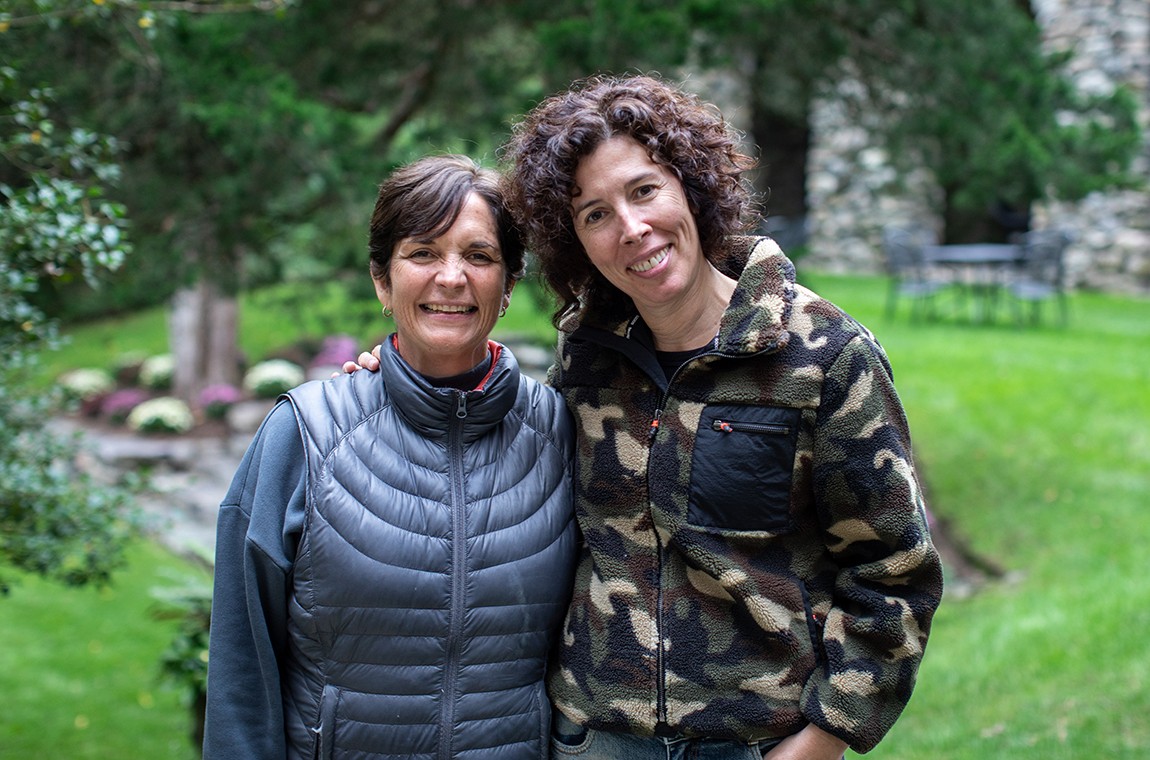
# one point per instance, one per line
(852, 193)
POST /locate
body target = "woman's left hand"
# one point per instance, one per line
(368, 361)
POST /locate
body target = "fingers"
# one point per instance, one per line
(368, 361)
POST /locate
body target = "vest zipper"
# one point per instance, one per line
(458, 571)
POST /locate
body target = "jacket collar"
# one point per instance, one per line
(433, 411)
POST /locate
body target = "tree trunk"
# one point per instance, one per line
(992, 225)
(203, 329)
(784, 143)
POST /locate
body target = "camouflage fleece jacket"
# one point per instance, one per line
(756, 550)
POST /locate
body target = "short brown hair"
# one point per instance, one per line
(679, 131)
(425, 197)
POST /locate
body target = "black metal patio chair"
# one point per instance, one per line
(1040, 276)
(910, 275)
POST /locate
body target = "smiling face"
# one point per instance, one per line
(634, 222)
(446, 292)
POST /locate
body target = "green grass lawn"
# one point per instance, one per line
(1034, 443)
(79, 669)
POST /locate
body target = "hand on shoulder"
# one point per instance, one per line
(368, 361)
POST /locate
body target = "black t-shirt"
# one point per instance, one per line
(672, 360)
(466, 381)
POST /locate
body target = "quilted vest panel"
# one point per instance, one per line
(434, 569)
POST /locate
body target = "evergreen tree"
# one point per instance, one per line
(962, 87)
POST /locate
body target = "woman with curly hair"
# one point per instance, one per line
(756, 574)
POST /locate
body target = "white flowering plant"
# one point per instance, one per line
(161, 415)
(86, 384)
(270, 378)
(156, 372)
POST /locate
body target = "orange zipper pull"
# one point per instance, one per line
(654, 429)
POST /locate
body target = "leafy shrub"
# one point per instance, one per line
(185, 662)
(55, 223)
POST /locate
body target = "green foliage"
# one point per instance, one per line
(54, 223)
(185, 662)
(256, 144)
(222, 113)
(963, 88)
(605, 36)
(54, 521)
(1001, 120)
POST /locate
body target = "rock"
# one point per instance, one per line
(245, 417)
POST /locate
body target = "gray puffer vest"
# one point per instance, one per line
(434, 568)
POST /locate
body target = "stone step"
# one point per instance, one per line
(186, 477)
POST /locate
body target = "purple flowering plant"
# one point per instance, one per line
(117, 405)
(335, 350)
(215, 399)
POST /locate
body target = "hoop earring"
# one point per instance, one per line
(387, 312)
(503, 311)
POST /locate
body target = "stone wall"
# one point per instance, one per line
(852, 192)
(1111, 44)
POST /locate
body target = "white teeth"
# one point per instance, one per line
(650, 263)
(447, 308)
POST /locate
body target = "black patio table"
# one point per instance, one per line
(980, 269)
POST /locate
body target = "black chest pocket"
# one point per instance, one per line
(742, 468)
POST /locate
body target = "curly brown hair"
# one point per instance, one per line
(681, 132)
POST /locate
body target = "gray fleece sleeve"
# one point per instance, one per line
(256, 537)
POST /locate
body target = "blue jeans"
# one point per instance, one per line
(569, 740)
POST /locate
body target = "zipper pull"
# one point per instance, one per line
(721, 426)
(461, 407)
(654, 429)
